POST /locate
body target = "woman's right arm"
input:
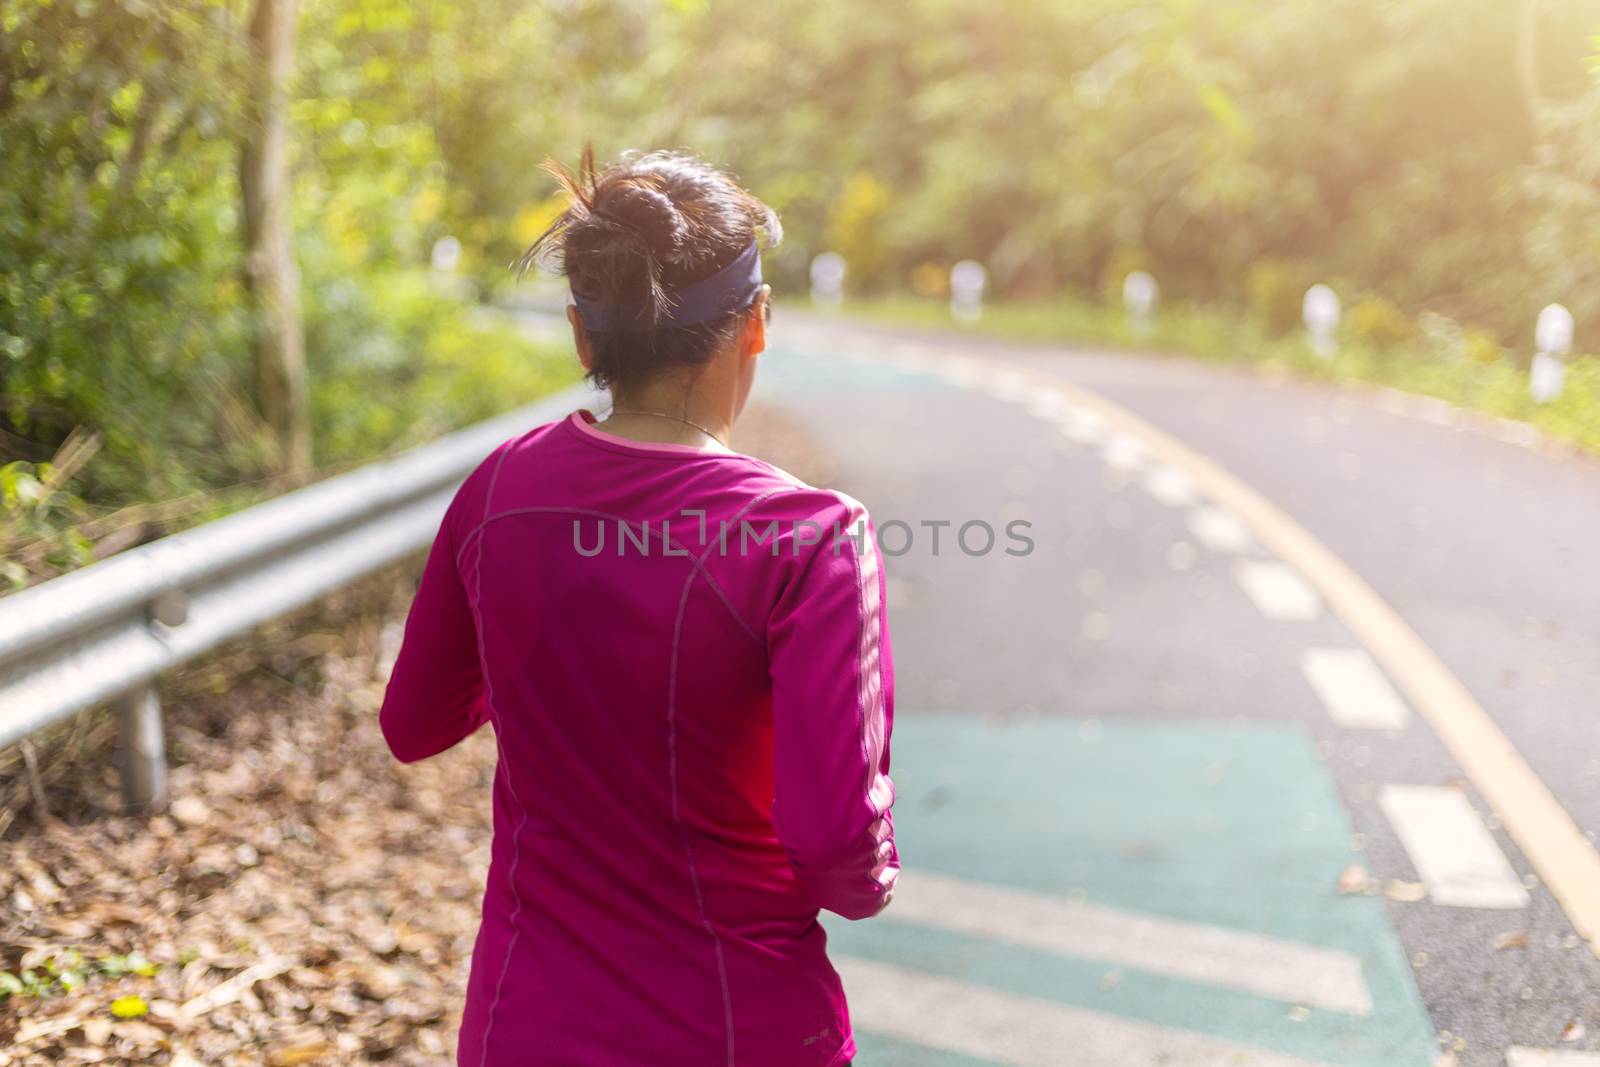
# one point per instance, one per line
(833, 706)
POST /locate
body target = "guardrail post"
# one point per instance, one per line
(144, 751)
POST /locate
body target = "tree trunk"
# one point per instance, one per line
(1527, 60)
(269, 261)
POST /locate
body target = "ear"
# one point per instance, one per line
(580, 338)
(754, 338)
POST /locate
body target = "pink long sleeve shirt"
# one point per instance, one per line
(685, 657)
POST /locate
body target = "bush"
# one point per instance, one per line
(1378, 322)
(1274, 292)
(38, 524)
(1481, 346)
(394, 362)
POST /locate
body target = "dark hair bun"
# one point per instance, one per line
(639, 206)
(637, 230)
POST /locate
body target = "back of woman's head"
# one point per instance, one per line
(636, 232)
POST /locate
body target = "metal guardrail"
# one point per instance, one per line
(106, 631)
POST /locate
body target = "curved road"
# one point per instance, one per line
(1158, 803)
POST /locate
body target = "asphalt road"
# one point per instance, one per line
(1138, 762)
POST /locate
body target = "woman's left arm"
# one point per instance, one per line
(436, 696)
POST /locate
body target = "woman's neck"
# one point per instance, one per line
(675, 413)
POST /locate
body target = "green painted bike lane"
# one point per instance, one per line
(1226, 840)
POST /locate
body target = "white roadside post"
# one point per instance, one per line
(446, 255)
(1140, 295)
(827, 280)
(1553, 339)
(967, 279)
(444, 261)
(1320, 309)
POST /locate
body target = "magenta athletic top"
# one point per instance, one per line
(693, 716)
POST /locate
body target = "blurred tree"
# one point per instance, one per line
(125, 301)
(119, 308)
(1430, 155)
(269, 253)
(1563, 185)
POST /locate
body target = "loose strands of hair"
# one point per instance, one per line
(583, 190)
(632, 233)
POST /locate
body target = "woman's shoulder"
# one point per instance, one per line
(802, 517)
(767, 477)
(777, 490)
(474, 496)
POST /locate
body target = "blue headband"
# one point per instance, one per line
(730, 289)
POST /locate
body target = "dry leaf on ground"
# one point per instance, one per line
(306, 900)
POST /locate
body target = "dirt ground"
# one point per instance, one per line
(306, 898)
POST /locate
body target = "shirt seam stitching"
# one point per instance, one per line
(688, 849)
(516, 836)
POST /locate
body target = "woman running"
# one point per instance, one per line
(684, 653)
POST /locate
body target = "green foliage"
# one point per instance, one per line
(1386, 148)
(396, 362)
(67, 971)
(855, 226)
(1378, 322)
(1274, 292)
(1563, 185)
(1481, 346)
(123, 306)
(1240, 150)
(33, 509)
(117, 298)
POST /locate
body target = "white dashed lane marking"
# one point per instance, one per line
(1047, 406)
(1270, 967)
(1454, 853)
(1122, 453)
(1538, 1057)
(1012, 387)
(1353, 689)
(1084, 427)
(960, 373)
(1171, 486)
(1277, 590)
(1218, 530)
(1023, 1031)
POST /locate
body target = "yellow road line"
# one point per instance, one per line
(1536, 821)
